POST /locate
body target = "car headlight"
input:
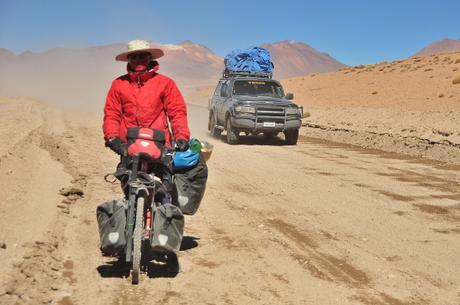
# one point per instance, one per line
(292, 110)
(247, 109)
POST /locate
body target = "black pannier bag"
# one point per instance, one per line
(168, 229)
(189, 187)
(111, 220)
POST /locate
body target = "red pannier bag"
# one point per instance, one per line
(146, 141)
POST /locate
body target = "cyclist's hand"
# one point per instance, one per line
(182, 145)
(115, 145)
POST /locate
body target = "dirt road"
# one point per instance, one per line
(316, 223)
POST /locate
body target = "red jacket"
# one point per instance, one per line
(145, 99)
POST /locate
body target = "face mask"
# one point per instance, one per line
(139, 62)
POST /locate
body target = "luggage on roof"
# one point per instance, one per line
(250, 61)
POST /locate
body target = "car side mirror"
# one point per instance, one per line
(289, 96)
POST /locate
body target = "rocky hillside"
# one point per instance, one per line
(441, 46)
(292, 58)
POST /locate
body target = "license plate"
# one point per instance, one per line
(269, 124)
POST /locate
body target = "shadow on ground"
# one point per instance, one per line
(154, 264)
(257, 140)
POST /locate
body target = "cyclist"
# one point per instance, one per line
(144, 98)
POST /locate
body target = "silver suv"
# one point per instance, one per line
(251, 104)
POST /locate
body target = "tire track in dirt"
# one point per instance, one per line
(330, 268)
(321, 265)
(49, 271)
(90, 162)
(304, 250)
(40, 277)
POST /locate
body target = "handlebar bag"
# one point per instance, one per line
(146, 141)
(189, 187)
(168, 229)
(111, 220)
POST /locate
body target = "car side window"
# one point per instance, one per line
(217, 92)
(224, 89)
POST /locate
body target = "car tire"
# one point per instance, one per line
(291, 137)
(233, 135)
(213, 130)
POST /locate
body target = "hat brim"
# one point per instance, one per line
(156, 53)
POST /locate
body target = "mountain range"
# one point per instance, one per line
(81, 77)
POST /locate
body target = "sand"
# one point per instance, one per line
(316, 223)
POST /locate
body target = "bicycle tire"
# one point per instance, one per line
(137, 241)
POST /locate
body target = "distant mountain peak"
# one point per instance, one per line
(294, 58)
(285, 42)
(445, 45)
(6, 53)
(188, 43)
(172, 47)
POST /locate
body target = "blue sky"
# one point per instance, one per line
(354, 32)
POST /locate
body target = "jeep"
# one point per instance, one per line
(253, 104)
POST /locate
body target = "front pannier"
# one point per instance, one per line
(168, 229)
(189, 187)
(111, 220)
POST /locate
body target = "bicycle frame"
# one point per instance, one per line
(144, 186)
(145, 189)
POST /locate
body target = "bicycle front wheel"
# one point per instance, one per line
(137, 240)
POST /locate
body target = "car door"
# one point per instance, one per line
(215, 101)
(221, 98)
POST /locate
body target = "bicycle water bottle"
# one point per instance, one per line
(195, 145)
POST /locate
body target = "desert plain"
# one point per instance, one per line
(365, 209)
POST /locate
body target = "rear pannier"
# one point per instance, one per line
(168, 229)
(111, 220)
(189, 187)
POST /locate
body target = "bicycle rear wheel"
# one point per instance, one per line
(137, 240)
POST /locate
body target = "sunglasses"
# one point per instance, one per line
(139, 56)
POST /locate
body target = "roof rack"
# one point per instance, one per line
(227, 74)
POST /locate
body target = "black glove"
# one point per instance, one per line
(115, 145)
(181, 144)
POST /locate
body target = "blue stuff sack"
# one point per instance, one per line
(185, 159)
(252, 60)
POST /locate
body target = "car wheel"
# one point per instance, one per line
(291, 137)
(215, 132)
(233, 135)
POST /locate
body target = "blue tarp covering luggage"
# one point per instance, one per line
(252, 60)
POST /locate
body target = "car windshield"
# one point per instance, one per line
(257, 87)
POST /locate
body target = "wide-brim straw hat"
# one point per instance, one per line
(135, 46)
